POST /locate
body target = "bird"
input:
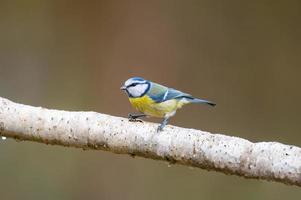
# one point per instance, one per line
(155, 100)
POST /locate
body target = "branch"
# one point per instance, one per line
(90, 130)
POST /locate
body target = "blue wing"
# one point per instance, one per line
(160, 93)
(176, 94)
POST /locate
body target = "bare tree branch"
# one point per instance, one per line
(90, 130)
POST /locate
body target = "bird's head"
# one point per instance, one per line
(136, 87)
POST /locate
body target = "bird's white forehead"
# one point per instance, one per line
(130, 81)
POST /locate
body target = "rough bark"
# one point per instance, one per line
(90, 130)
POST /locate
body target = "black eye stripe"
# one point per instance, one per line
(136, 83)
(134, 94)
(133, 84)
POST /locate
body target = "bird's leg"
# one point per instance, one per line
(134, 117)
(163, 124)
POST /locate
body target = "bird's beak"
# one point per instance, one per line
(123, 87)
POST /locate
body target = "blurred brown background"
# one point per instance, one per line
(74, 55)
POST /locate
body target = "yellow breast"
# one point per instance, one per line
(146, 105)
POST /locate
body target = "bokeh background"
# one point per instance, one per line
(74, 55)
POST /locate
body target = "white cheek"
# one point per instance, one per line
(137, 90)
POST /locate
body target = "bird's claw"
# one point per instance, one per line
(159, 129)
(135, 120)
(132, 118)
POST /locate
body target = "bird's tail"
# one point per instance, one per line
(196, 100)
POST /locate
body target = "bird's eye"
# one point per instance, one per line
(133, 84)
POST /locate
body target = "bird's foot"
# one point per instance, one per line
(134, 118)
(162, 125)
(160, 128)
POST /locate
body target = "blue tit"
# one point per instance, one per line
(155, 100)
